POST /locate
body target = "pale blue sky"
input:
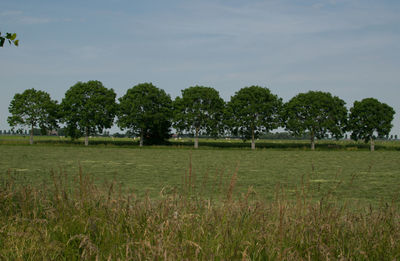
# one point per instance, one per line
(350, 48)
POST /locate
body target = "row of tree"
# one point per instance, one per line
(149, 113)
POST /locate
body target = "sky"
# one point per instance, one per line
(350, 48)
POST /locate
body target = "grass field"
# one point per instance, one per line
(184, 204)
(360, 177)
(84, 223)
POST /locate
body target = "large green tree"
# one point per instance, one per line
(146, 111)
(370, 119)
(316, 113)
(9, 37)
(33, 108)
(199, 111)
(87, 108)
(253, 111)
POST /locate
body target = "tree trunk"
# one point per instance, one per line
(86, 136)
(372, 144)
(31, 136)
(312, 141)
(141, 138)
(196, 139)
(253, 143)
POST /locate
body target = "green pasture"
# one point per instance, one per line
(359, 177)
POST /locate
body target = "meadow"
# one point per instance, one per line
(360, 177)
(62, 201)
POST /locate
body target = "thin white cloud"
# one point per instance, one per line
(88, 53)
(18, 17)
(29, 20)
(288, 45)
(10, 13)
(279, 18)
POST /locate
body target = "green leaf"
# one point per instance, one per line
(146, 111)
(252, 111)
(369, 117)
(317, 113)
(33, 108)
(200, 109)
(16, 42)
(87, 108)
(13, 36)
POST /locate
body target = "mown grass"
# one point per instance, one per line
(164, 203)
(85, 221)
(360, 177)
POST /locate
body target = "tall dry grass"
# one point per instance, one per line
(89, 222)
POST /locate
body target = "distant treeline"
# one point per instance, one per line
(232, 143)
(269, 136)
(150, 114)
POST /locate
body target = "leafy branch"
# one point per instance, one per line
(11, 38)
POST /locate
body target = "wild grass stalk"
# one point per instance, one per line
(90, 222)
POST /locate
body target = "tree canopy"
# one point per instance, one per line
(199, 111)
(146, 111)
(370, 119)
(33, 108)
(253, 111)
(87, 108)
(10, 37)
(149, 112)
(318, 113)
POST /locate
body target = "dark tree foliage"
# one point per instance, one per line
(370, 119)
(253, 111)
(32, 109)
(146, 111)
(88, 108)
(9, 37)
(318, 113)
(199, 111)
